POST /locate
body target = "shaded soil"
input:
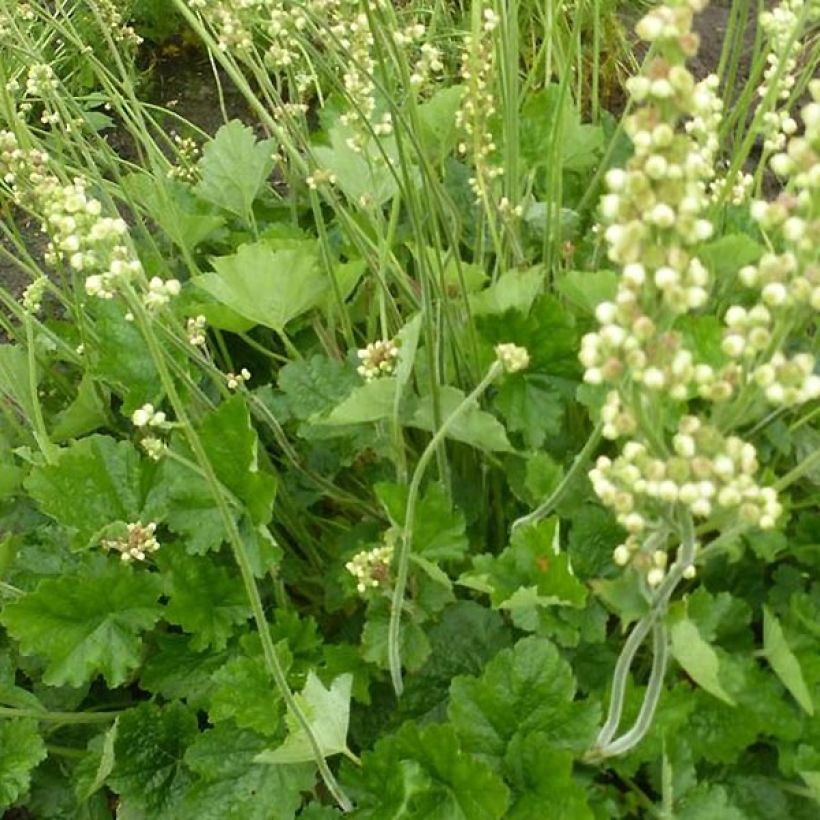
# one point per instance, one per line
(12, 274)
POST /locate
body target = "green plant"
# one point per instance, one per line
(349, 464)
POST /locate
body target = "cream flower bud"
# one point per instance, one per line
(621, 555)
(634, 274)
(616, 179)
(142, 415)
(733, 345)
(655, 576)
(662, 215)
(606, 312)
(512, 357)
(774, 294)
(666, 277)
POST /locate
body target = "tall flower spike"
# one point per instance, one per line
(656, 217)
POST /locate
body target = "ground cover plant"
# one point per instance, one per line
(424, 425)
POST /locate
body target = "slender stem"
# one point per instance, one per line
(41, 433)
(604, 743)
(642, 725)
(799, 471)
(393, 648)
(272, 662)
(59, 717)
(619, 679)
(558, 493)
(9, 589)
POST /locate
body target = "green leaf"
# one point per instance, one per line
(548, 116)
(784, 662)
(365, 177)
(260, 706)
(10, 693)
(593, 536)
(149, 772)
(420, 773)
(177, 672)
(698, 659)
(585, 290)
(231, 786)
(474, 426)
(21, 749)
(268, 285)
(528, 572)
(438, 131)
(327, 712)
(528, 688)
(466, 637)
(315, 385)
(548, 332)
(191, 513)
(231, 444)
(93, 770)
(93, 483)
(407, 340)
(14, 377)
(86, 625)
(531, 406)
(541, 777)
(439, 529)
(121, 357)
(85, 414)
(370, 401)
(187, 220)
(708, 802)
(623, 595)
(205, 599)
(413, 642)
(725, 256)
(513, 290)
(234, 168)
(703, 335)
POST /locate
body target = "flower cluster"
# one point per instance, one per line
(377, 359)
(79, 234)
(656, 216)
(111, 18)
(154, 447)
(478, 105)
(147, 416)
(371, 568)
(186, 168)
(196, 326)
(41, 80)
(789, 381)
(707, 472)
(236, 380)
(740, 188)
(286, 33)
(32, 299)
(513, 357)
(319, 178)
(784, 284)
(780, 25)
(138, 542)
(160, 292)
